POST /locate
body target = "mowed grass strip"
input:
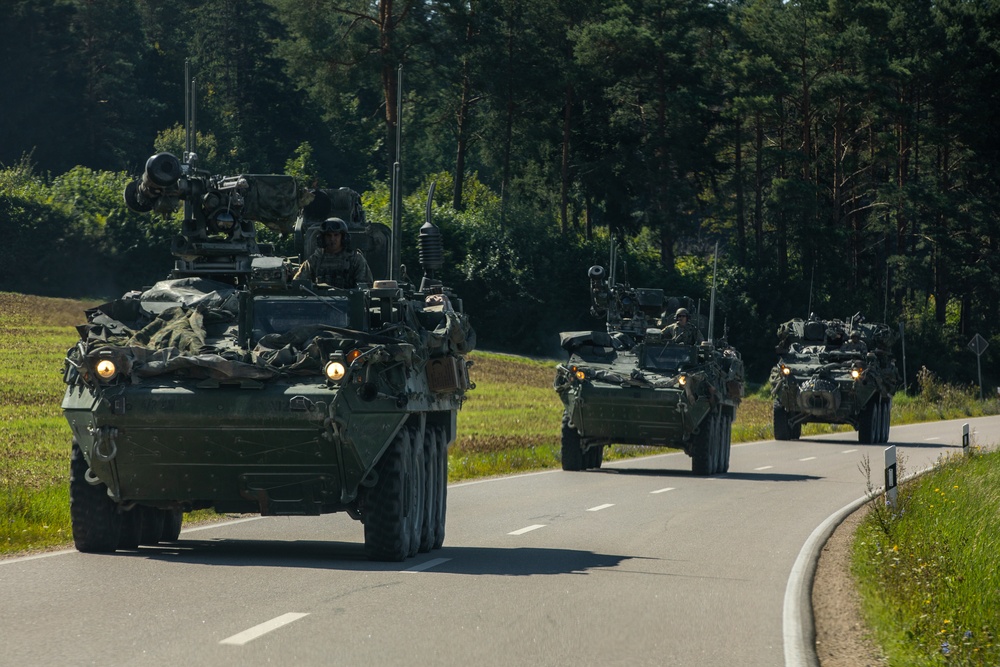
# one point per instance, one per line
(927, 571)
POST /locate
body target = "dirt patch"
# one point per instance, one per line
(842, 638)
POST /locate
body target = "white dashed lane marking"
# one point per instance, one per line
(808, 458)
(601, 507)
(848, 451)
(764, 468)
(428, 565)
(932, 438)
(669, 488)
(527, 529)
(256, 631)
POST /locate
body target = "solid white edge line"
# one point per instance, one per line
(241, 638)
(428, 565)
(527, 529)
(797, 621)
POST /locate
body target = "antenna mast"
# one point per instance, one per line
(397, 186)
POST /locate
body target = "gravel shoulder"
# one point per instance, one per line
(842, 638)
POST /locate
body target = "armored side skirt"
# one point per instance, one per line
(274, 448)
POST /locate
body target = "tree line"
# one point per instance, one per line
(843, 155)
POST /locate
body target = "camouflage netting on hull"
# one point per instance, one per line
(189, 326)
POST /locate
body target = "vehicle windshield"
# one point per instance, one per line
(667, 357)
(281, 315)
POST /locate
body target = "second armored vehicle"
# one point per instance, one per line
(834, 372)
(633, 384)
(234, 387)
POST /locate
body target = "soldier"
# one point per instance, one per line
(334, 263)
(854, 343)
(682, 331)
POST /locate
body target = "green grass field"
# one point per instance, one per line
(931, 586)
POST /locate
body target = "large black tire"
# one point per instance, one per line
(706, 454)
(593, 457)
(572, 452)
(431, 473)
(886, 418)
(417, 493)
(725, 441)
(867, 423)
(387, 524)
(442, 486)
(95, 518)
(172, 520)
(152, 525)
(782, 429)
(131, 532)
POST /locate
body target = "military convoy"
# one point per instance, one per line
(834, 372)
(632, 384)
(233, 387)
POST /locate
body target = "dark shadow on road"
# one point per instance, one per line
(349, 556)
(749, 476)
(879, 446)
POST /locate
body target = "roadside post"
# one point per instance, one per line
(965, 439)
(978, 344)
(890, 476)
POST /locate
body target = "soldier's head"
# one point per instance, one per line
(333, 235)
(855, 336)
(681, 312)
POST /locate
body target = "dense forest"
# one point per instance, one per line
(844, 156)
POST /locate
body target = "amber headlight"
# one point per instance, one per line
(682, 380)
(352, 355)
(106, 369)
(785, 370)
(335, 371)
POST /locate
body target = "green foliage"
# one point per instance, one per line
(928, 577)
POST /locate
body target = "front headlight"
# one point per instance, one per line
(578, 373)
(785, 370)
(335, 371)
(682, 380)
(105, 369)
(855, 373)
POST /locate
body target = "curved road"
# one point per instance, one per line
(639, 563)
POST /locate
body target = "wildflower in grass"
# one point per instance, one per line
(945, 648)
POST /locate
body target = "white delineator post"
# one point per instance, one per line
(890, 476)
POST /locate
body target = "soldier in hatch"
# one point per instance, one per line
(334, 263)
(683, 331)
(854, 344)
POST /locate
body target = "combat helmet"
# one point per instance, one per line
(335, 225)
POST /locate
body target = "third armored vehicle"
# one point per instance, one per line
(235, 387)
(631, 384)
(834, 372)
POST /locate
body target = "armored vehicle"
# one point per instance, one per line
(834, 372)
(633, 384)
(235, 387)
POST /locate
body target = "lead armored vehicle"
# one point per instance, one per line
(834, 372)
(234, 387)
(631, 384)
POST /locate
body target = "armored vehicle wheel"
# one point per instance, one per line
(152, 525)
(783, 430)
(572, 453)
(417, 493)
(886, 418)
(868, 424)
(95, 518)
(430, 505)
(707, 452)
(387, 522)
(172, 520)
(131, 532)
(442, 486)
(725, 444)
(593, 457)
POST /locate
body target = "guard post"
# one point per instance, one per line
(890, 476)
(965, 439)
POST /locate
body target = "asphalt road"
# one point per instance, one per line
(639, 563)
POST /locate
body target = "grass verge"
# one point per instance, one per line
(927, 568)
